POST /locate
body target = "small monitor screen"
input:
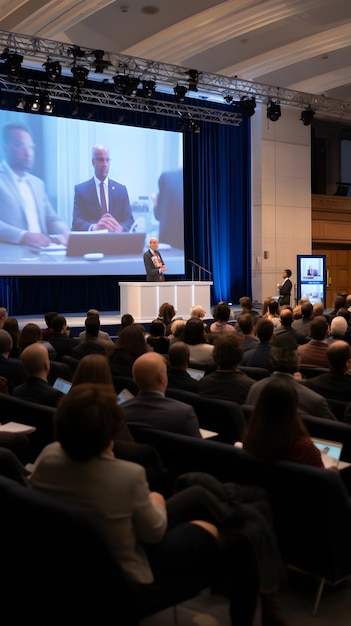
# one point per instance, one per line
(311, 278)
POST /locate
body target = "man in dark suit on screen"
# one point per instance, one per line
(153, 262)
(101, 203)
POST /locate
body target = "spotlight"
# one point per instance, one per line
(273, 111)
(307, 116)
(80, 74)
(194, 127)
(35, 103)
(249, 105)
(148, 89)
(12, 60)
(48, 104)
(179, 92)
(100, 64)
(193, 79)
(126, 85)
(53, 70)
(228, 98)
(21, 103)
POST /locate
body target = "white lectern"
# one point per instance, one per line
(143, 300)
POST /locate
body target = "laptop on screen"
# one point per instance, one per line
(330, 451)
(113, 244)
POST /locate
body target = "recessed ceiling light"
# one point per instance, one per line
(150, 9)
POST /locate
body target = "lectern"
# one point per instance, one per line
(143, 300)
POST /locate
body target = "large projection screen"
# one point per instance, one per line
(148, 162)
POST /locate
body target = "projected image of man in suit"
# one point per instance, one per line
(101, 203)
(26, 214)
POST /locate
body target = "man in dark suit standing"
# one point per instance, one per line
(285, 288)
(101, 203)
(153, 262)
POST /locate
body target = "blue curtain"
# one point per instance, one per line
(217, 226)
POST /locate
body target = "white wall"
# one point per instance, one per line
(281, 197)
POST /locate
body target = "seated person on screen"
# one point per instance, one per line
(26, 215)
(101, 203)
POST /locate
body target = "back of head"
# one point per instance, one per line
(150, 372)
(245, 323)
(92, 326)
(245, 303)
(30, 334)
(126, 320)
(318, 308)
(343, 312)
(166, 312)
(228, 351)
(319, 328)
(87, 419)
(35, 360)
(197, 311)
(194, 331)
(286, 318)
(221, 312)
(273, 307)
(93, 312)
(307, 309)
(339, 302)
(178, 355)
(284, 355)
(5, 341)
(264, 330)
(157, 328)
(132, 340)
(93, 368)
(177, 328)
(11, 325)
(338, 326)
(3, 315)
(58, 323)
(49, 316)
(339, 353)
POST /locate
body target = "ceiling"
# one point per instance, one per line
(302, 45)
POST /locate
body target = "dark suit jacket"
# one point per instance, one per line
(284, 292)
(63, 345)
(152, 272)
(329, 385)
(259, 356)
(169, 208)
(87, 210)
(37, 390)
(13, 371)
(157, 411)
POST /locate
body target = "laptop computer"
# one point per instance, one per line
(113, 244)
(330, 451)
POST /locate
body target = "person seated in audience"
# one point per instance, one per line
(199, 312)
(156, 338)
(246, 330)
(126, 320)
(31, 333)
(10, 368)
(48, 332)
(102, 335)
(273, 313)
(196, 338)
(3, 316)
(347, 316)
(91, 343)
(227, 382)
(60, 339)
(275, 430)
(285, 361)
(297, 312)
(336, 383)
(337, 330)
(177, 330)
(130, 344)
(339, 303)
(11, 325)
(318, 308)
(221, 314)
(166, 314)
(178, 363)
(261, 355)
(314, 353)
(303, 325)
(151, 538)
(151, 407)
(246, 308)
(286, 320)
(265, 304)
(35, 360)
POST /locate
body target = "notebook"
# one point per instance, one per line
(330, 450)
(81, 243)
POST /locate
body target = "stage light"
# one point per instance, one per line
(126, 85)
(35, 103)
(148, 88)
(249, 105)
(12, 60)
(307, 116)
(228, 98)
(179, 92)
(21, 103)
(273, 111)
(52, 70)
(80, 74)
(100, 64)
(48, 104)
(193, 79)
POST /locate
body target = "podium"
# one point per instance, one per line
(143, 300)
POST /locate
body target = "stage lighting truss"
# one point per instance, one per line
(104, 66)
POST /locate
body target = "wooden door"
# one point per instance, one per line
(338, 270)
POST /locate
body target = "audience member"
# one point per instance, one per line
(177, 330)
(151, 407)
(246, 308)
(347, 316)
(31, 333)
(221, 314)
(60, 339)
(286, 320)
(3, 316)
(314, 353)
(196, 338)
(126, 320)
(338, 328)
(275, 430)
(101, 334)
(339, 303)
(178, 363)
(11, 325)
(285, 361)
(273, 313)
(318, 308)
(336, 383)
(166, 314)
(228, 382)
(35, 360)
(261, 355)
(48, 332)
(156, 338)
(11, 369)
(246, 329)
(265, 304)
(303, 325)
(91, 344)
(130, 344)
(80, 469)
(198, 311)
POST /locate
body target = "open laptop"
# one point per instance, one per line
(85, 242)
(330, 451)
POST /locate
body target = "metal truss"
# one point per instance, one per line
(205, 86)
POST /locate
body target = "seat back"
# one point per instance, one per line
(308, 371)
(255, 372)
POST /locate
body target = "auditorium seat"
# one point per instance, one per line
(254, 372)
